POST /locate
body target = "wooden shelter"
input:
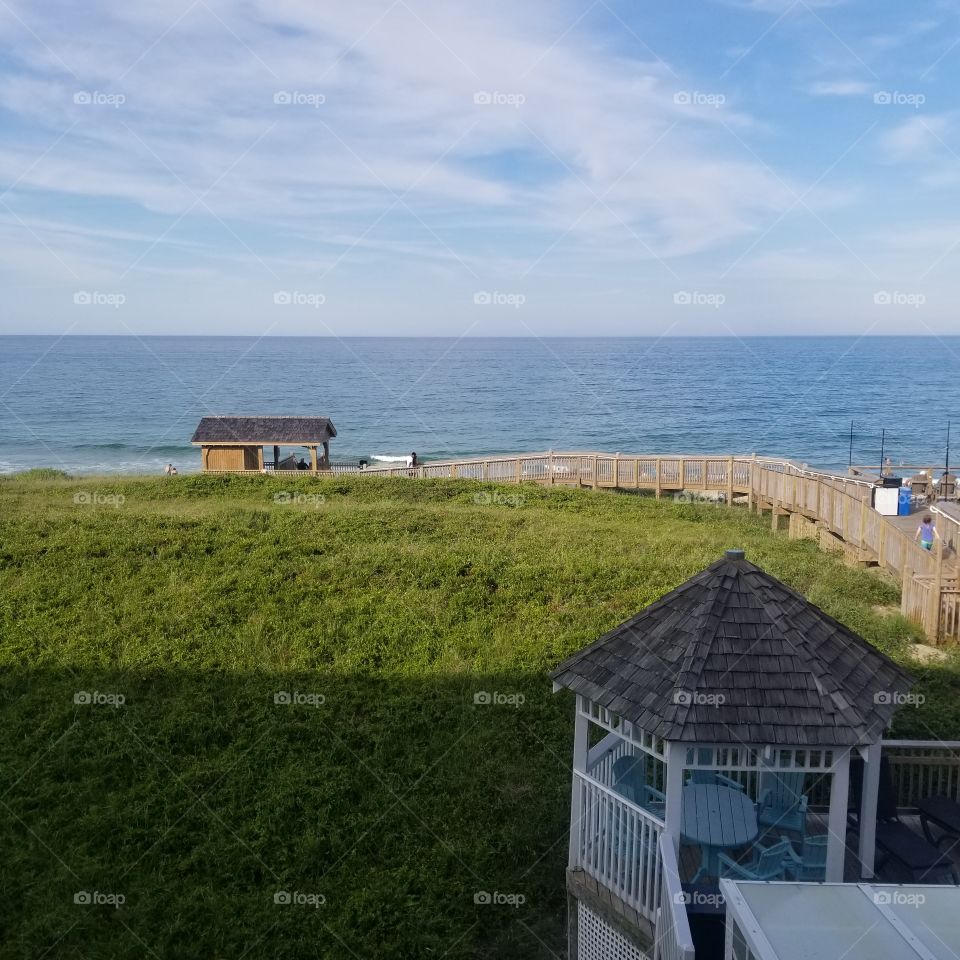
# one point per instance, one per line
(232, 444)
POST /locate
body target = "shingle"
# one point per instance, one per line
(788, 673)
(278, 430)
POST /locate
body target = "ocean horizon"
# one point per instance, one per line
(125, 404)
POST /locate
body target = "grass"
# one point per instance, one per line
(382, 608)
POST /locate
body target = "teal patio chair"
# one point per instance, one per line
(766, 863)
(630, 781)
(783, 804)
(712, 776)
(811, 865)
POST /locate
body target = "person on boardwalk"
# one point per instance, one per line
(926, 532)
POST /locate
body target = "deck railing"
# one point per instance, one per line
(923, 768)
(834, 504)
(673, 939)
(616, 843)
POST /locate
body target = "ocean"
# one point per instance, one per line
(130, 404)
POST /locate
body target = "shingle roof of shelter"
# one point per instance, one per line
(735, 656)
(295, 430)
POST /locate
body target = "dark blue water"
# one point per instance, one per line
(130, 404)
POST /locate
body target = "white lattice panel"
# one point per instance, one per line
(597, 940)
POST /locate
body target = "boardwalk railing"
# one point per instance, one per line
(835, 508)
(923, 768)
(615, 842)
(673, 938)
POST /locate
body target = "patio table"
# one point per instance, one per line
(717, 818)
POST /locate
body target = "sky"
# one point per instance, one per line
(443, 167)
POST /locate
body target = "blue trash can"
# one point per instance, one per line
(903, 503)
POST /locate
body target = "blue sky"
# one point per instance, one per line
(444, 167)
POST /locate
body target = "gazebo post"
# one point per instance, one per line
(673, 814)
(867, 815)
(581, 745)
(837, 822)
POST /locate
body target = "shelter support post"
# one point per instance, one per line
(837, 822)
(673, 815)
(867, 815)
(581, 744)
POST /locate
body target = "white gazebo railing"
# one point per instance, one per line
(673, 938)
(616, 843)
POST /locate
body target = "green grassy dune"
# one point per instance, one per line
(152, 632)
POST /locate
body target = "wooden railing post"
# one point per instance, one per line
(519, 472)
(636, 474)
(616, 470)
(730, 482)
(594, 471)
(936, 592)
(659, 469)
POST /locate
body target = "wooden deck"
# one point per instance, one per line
(834, 509)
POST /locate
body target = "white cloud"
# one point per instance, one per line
(914, 139)
(839, 88)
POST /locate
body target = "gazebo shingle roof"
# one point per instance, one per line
(295, 430)
(735, 656)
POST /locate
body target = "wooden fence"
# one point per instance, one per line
(835, 508)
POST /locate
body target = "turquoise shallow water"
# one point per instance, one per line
(127, 404)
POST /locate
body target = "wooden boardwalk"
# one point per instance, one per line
(832, 508)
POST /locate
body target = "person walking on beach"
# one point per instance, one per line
(170, 470)
(926, 532)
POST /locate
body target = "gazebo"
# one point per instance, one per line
(709, 728)
(236, 444)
